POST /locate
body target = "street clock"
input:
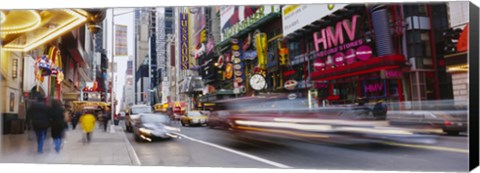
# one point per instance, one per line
(258, 82)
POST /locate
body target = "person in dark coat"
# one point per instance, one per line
(380, 110)
(37, 113)
(75, 118)
(106, 118)
(57, 121)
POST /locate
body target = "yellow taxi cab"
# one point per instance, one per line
(194, 118)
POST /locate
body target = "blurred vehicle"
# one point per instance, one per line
(194, 118)
(275, 118)
(149, 127)
(133, 114)
(218, 119)
(451, 116)
(451, 122)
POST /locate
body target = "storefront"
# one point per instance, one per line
(336, 54)
(33, 65)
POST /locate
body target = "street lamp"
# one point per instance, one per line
(112, 100)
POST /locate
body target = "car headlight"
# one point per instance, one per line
(145, 131)
(172, 128)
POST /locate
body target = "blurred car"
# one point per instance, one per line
(194, 118)
(218, 119)
(133, 113)
(151, 126)
(451, 122)
(449, 116)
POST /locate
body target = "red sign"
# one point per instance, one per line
(338, 58)
(350, 56)
(333, 97)
(291, 84)
(391, 74)
(289, 73)
(364, 52)
(328, 39)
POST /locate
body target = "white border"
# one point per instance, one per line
(41, 4)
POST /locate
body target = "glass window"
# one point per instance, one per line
(194, 114)
(145, 109)
(155, 118)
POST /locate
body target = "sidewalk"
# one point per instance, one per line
(104, 149)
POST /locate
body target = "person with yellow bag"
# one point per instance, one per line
(87, 121)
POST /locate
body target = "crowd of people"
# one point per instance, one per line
(43, 116)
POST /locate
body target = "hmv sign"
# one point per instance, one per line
(342, 43)
(374, 88)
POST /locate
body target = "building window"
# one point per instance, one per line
(15, 68)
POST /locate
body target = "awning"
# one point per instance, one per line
(362, 67)
(462, 44)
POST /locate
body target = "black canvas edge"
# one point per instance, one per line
(473, 61)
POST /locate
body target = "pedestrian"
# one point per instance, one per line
(57, 123)
(106, 117)
(87, 121)
(75, 118)
(99, 118)
(37, 113)
(380, 110)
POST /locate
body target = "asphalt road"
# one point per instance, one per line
(205, 147)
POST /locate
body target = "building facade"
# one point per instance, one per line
(456, 43)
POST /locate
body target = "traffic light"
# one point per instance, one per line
(450, 40)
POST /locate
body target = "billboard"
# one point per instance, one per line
(233, 19)
(121, 48)
(184, 41)
(295, 17)
(199, 22)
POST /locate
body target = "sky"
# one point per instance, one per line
(124, 19)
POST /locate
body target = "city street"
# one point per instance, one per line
(205, 147)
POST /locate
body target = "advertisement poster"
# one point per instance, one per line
(294, 17)
(121, 47)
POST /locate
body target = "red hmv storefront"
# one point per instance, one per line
(375, 78)
(350, 64)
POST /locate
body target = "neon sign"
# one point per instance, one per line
(184, 40)
(328, 39)
(374, 88)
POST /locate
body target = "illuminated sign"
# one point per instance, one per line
(375, 88)
(184, 41)
(66, 20)
(341, 44)
(328, 39)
